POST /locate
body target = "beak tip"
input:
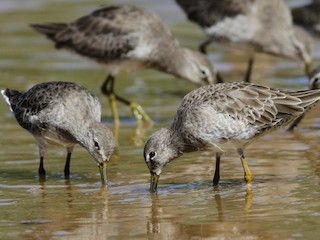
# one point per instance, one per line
(103, 172)
(154, 182)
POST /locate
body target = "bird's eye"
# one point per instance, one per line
(96, 145)
(204, 71)
(152, 155)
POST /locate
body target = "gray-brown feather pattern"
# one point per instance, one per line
(260, 106)
(41, 97)
(101, 35)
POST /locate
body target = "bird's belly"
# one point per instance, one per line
(56, 139)
(227, 146)
(234, 32)
(126, 66)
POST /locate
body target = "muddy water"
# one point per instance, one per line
(284, 201)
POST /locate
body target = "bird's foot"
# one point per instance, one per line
(139, 113)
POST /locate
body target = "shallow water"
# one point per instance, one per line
(283, 204)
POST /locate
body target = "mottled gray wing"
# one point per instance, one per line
(39, 103)
(262, 106)
(259, 106)
(104, 34)
(233, 111)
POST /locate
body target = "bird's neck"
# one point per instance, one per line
(183, 142)
(175, 61)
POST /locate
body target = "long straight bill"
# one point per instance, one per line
(154, 182)
(103, 172)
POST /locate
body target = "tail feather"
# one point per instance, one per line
(49, 29)
(308, 97)
(11, 97)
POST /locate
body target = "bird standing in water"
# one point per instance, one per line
(253, 25)
(126, 38)
(228, 115)
(63, 114)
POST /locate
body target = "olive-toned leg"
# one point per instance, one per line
(108, 89)
(247, 172)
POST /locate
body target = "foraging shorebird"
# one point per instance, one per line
(125, 38)
(255, 25)
(228, 115)
(308, 17)
(63, 114)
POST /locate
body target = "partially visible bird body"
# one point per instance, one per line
(308, 17)
(257, 25)
(62, 114)
(125, 38)
(223, 116)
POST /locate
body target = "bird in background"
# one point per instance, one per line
(252, 25)
(63, 114)
(126, 39)
(308, 17)
(222, 117)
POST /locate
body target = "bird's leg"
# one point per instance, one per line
(203, 46)
(295, 123)
(247, 76)
(67, 165)
(108, 89)
(41, 170)
(216, 177)
(219, 78)
(248, 199)
(308, 69)
(247, 172)
(139, 113)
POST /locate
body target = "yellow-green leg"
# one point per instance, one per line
(308, 69)
(114, 109)
(139, 113)
(247, 172)
(108, 89)
(248, 199)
